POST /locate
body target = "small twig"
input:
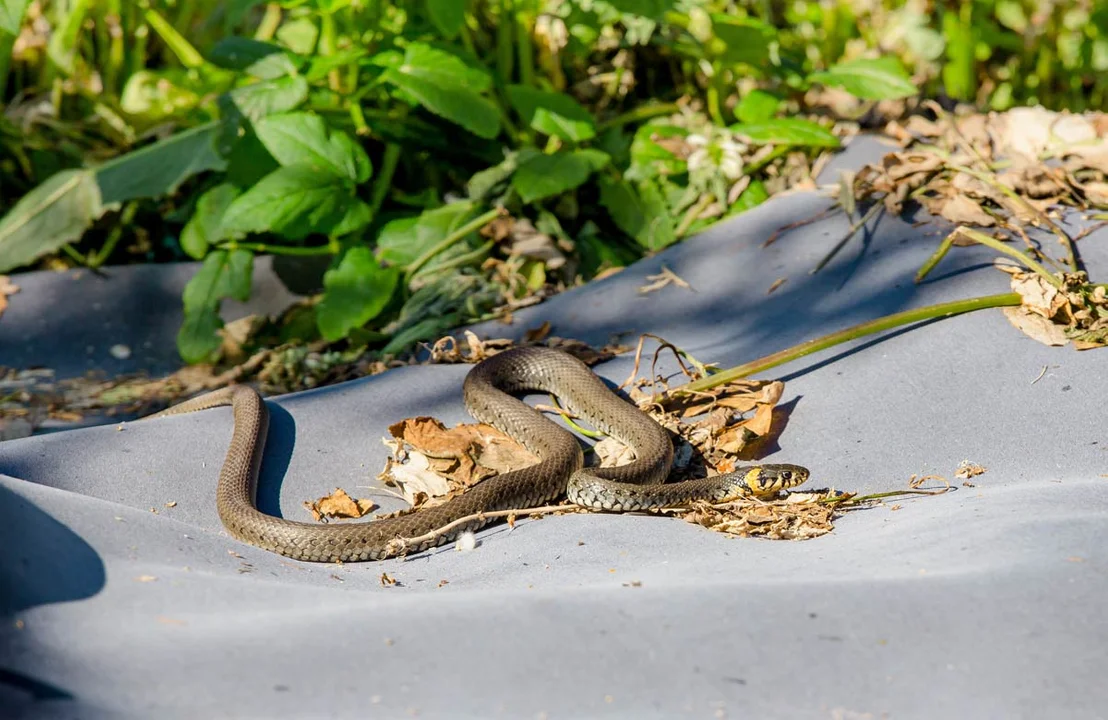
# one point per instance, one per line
(399, 545)
(821, 215)
(851, 232)
(859, 499)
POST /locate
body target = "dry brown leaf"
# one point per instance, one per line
(1036, 326)
(962, 210)
(611, 452)
(1096, 193)
(967, 469)
(525, 240)
(339, 505)
(537, 334)
(465, 454)
(7, 287)
(417, 481)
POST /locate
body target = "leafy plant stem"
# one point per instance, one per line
(639, 114)
(459, 234)
(189, 56)
(467, 258)
(330, 248)
(96, 259)
(987, 241)
(931, 312)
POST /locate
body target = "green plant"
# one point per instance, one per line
(388, 136)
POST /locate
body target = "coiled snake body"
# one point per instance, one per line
(634, 486)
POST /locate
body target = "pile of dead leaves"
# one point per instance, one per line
(1072, 311)
(988, 170)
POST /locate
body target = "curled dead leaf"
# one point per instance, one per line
(961, 209)
(339, 505)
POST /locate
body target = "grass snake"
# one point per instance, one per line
(637, 485)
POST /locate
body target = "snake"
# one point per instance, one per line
(488, 394)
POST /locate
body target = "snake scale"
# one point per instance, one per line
(637, 485)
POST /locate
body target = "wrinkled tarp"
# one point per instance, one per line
(983, 602)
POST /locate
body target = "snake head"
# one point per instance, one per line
(769, 480)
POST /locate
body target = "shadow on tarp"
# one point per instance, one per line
(42, 562)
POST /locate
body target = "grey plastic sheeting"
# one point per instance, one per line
(985, 602)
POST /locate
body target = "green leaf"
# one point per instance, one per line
(744, 40)
(299, 34)
(354, 293)
(447, 15)
(358, 216)
(294, 201)
(223, 274)
(401, 241)
(267, 97)
(441, 68)
(447, 87)
(481, 184)
(787, 131)
(640, 211)
(547, 175)
(649, 158)
(11, 15)
(757, 106)
(880, 79)
(754, 195)
(205, 227)
(552, 113)
(262, 60)
(320, 65)
(159, 168)
(303, 139)
(53, 214)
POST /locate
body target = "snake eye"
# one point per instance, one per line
(786, 475)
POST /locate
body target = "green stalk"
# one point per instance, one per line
(383, 181)
(189, 56)
(987, 241)
(524, 50)
(459, 234)
(639, 114)
(327, 46)
(466, 258)
(7, 42)
(504, 49)
(888, 322)
(330, 248)
(271, 20)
